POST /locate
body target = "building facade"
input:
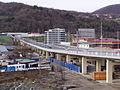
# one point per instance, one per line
(86, 33)
(107, 43)
(54, 36)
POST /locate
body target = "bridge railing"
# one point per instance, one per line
(74, 50)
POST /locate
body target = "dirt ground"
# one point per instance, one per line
(60, 79)
(82, 83)
(76, 81)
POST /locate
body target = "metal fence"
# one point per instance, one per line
(67, 65)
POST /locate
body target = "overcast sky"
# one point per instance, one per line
(76, 5)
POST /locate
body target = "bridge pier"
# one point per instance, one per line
(58, 56)
(43, 53)
(47, 54)
(109, 71)
(61, 57)
(98, 65)
(33, 48)
(68, 58)
(52, 54)
(84, 65)
(40, 52)
(36, 50)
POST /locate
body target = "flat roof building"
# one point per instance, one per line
(54, 36)
(86, 33)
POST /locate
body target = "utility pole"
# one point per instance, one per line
(38, 35)
(101, 37)
(118, 39)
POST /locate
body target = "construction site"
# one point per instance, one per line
(59, 78)
(55, 77)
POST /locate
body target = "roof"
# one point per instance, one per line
(9, 47)
(107, 40)
(81, 39)
(26, 60)
(3, 49)
(82, 42)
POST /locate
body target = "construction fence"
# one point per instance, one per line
(71, 66)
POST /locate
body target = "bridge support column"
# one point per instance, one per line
(80, 61)
(58, 56)
(84, 65)
(98, 65)
(36, 50)
(43, 53)
(52, 54)
(32, 48)
(47, 55)
(40, 52)
(68, 58)
(109, 71)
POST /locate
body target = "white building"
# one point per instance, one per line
(55, 36)
(65, 43)
(84, 45)
(86, 33)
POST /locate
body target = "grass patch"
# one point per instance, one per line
(4, 39)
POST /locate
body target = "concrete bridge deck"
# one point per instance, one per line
(92, 52)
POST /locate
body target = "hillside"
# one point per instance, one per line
(111, 9)
(18, 17)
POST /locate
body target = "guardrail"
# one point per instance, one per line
(73, 50)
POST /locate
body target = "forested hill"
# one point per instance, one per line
(17, 17)
(111, 9)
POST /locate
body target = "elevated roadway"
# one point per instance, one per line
(110, 57)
